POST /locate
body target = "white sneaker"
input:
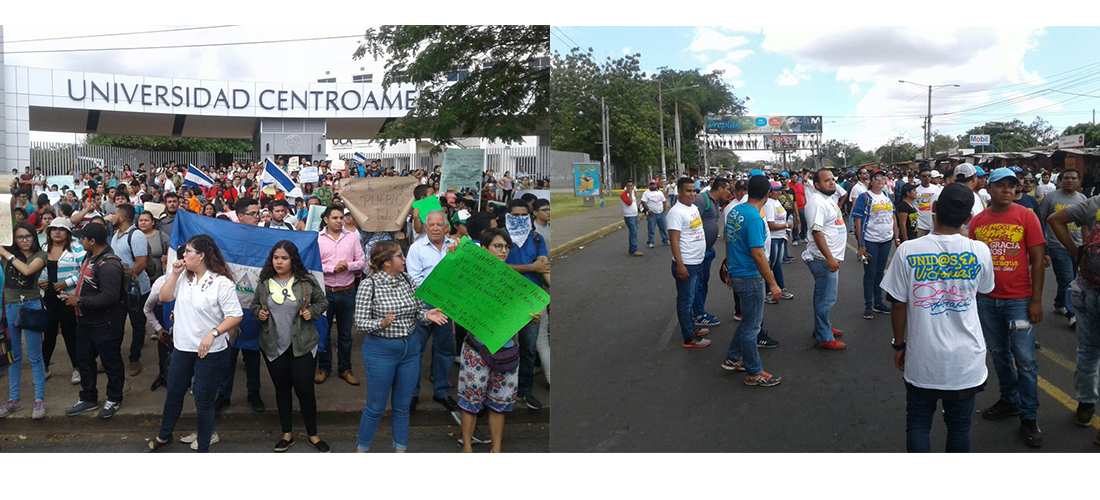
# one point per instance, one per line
(1072, 320)
(75, 379)
(47, 375)
(795, 242)
(1061, 310)
(195, 440)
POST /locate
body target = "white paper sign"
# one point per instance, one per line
(308, 175)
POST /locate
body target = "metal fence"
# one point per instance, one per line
(58, 158)
(535, 160)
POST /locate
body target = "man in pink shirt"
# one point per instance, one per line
(341, 257)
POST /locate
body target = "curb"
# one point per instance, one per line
(576, 242)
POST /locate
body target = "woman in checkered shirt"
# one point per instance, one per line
(387, 312)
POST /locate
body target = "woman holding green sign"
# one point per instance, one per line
(387, 312)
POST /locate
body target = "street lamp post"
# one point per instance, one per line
(661, 110)
(928, 118)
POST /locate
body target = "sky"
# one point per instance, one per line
(850, 75)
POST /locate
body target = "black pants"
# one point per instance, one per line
(164, 351)
(137, 324)
(64, 318)
(251, 370)
(105, 341)
(288, 371)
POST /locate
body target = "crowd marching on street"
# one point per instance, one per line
(91, 256)
(970, 251)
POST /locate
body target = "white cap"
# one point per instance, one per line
(966, 170)
(936, 174)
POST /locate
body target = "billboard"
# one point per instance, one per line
(781, 142)
(586, 179)
(726, 124)
(980, 140)
(1071, 141)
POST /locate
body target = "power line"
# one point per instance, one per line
(566, 35)
(1015, 84)
(192, 46)
(119, 34)
(1071, 93)
(560, 39)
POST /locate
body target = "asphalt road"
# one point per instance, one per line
(628, 386)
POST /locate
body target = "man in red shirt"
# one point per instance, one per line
(1010, 312)
(800, 205)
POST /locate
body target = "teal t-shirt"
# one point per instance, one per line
(745, 230)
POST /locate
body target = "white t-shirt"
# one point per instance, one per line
(686, 220)
(925, 195)
(1044, 189)
(630, 210)
(840, 192)
(201, 305)
(857, 190)
(654, 201)
(939, 277)
(774, 212)
(824, 215)
(725, 215)
(985, 196)
(878, 225)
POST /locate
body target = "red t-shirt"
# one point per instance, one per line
(1009, 235)
(799, 195)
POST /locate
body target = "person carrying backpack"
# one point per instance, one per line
(131, 245)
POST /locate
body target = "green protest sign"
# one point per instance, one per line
(482, 294)
(426, 205)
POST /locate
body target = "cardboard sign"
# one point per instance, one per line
(5, 219)
(461, 169)
(157, 209)
(61, 181)
(378, 204)
(313, 218)
(308, 175)
(426, 206)
(292, 164)
(483, 294)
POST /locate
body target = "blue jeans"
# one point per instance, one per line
(341, 309)
(443, 355)
(775, 259)
(1086, 380)
(659, 221)
(743, 346)
(632, 226)
(251, 371)
(1013, 352)
(528, 337)
(206, 373)
(699, 302)
(34, 352)
(825, 285)
(873, 272)
(685, 296)
(1065, 271)
(393, 367)
(919, 411)
(802, 223)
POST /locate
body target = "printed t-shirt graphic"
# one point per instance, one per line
(1008, 236)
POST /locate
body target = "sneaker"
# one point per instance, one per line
(868, 313)
(637, 254)
(109, 409)
(190, 438)
(650, 245)
(255, 402)
(1061, 310)
(195, 440)
(1072, 321)
(39, 410)
(786, 295)
(737, 317)
(75, 379)
(48, 374)
(795, 242)
(738, 366)
(1084, 414)
(881, 309)
(999, 410)
(765, 379)
(769, 300)
(10, 407)
(707, 320)
(531, 402)
(702, 332)
(697, 342)
(1032, 435)
(665, 243)
(154, 336)
(837, 333)
(81, 407)
(832, 345)
(765, 342)
(479, 437)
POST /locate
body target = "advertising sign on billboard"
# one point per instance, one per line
(586, 179)
(980, 140)
(781, 142)
(726, 124)
(1071, 141)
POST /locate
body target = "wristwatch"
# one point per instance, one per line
(216, 332)
(898, 347)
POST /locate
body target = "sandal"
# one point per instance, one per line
(155, 445)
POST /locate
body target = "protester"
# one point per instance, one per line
(824, 255)
(529, 256)
(1064, 269)
(907, 213)
(709, 205)
(424, 255)
(171, 206)
(655, 204)
(630, 215)
(876, 232)
(130, 245)
(925, 193)
(161, 322)
(23, 262)
(208, 309)
(60, 276)
(775, 218)
(341, 257)
(246, 211)
(686, 233)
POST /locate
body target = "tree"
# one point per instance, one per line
(1091, 131)
(478, 81)
(943, 142)
(713, 96)
(172, 143)
(898, 149)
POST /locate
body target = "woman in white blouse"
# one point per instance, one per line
(206, 310)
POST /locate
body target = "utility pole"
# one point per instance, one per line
(606, 147)
(928, 117)
(679, 165)
(661, 110)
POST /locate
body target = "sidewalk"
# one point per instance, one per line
(576, 230)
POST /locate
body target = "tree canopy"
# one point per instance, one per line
(172, 143)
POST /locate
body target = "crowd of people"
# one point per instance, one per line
(969, 253)
(95, 256)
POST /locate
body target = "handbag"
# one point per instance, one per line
(6, 356)
(34, 320)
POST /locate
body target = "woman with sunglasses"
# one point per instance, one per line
(288, 300)
(387, 312)
(23, 261)
(206, 300)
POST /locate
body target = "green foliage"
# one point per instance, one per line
(712, 96)
(503, 97)
(898, 149)
(1091, 131)
(172, 143)
(1013, 136)
(839, 154)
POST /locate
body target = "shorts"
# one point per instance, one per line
(479, 387)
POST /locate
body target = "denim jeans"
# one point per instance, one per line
(632, 226)
(802, 223)
(685, 297)
(699, 302)
(206, 373)
(873, 271)
(1013, 352)
(659, 221)
(1086, 380)
(229, 373)
(528, 353)
(443, 355)
(1065, 271)
(775, 259)
(137, 327)
(825, 285)
(393, 367)
(743, 346)
(103, 341)
(34, 352)
(341, 309)
(919, 412)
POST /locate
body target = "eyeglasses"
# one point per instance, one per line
(252, 214)
(500, 246)
(24, 237)
(190, 250)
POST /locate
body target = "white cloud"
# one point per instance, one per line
(730, 70)
(855, 89)
(627, 50)
(709, 39)
(741, 29)
(791, 77)
(701, 57)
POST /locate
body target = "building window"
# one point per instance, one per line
(369, 78)
(326, 80)
(459, 74)
(540, 63)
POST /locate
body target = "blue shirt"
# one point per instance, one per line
(121, 243)
(532, 249)
(423, 257)
(744, 231)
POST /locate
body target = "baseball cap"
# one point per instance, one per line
(1015, 169)
(776, 186)
(955, 201)
(980, 171)
(93, 231)
(741, 184)
(936, 174)
(755, 173)
(460, 216)
(1002, 173)
(965, 170)
(785, 174)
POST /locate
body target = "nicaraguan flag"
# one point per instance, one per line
(273, 175)
(245, 249)
(360, 158)
(195, 177)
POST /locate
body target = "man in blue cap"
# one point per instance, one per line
(983, 179)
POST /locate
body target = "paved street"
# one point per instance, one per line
(631, 386)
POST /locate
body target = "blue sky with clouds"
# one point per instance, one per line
(850, 75)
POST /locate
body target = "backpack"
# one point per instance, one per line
(130, 294)
(1088, 256)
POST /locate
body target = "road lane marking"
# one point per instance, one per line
(667, 335)
(1064, 398)
(1057, 358)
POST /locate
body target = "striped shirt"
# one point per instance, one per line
(68, 266)
(381, 294)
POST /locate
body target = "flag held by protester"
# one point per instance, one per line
(195, 177)
(273, 175)
(359, 157)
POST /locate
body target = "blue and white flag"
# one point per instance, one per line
(359, 157)
(195, 177)
(245, 249)
(273, 175)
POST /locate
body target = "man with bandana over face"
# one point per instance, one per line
(529, 257)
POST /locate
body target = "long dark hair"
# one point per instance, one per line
(14, 248)
(214, 260)
(297, 268)
(68, 239)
